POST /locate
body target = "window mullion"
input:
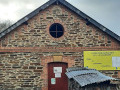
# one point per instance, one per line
(56, 31)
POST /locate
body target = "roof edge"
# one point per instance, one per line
(25, 18)
(89, 19)
(69, 6)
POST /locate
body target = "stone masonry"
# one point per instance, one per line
(76, 34)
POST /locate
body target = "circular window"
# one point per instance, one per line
(56, 30)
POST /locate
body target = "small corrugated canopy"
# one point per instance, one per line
(86, 76)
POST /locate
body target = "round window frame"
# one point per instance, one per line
(56, 36)
(65, 30)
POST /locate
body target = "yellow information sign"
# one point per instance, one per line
(102, 60)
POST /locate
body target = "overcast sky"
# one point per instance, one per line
(106, 12)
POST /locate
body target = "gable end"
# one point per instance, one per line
(70, 7)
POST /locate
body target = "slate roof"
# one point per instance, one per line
(67, 5)
(86, 76)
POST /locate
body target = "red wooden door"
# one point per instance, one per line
(57, 80)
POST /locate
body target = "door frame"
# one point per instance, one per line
(49, 59)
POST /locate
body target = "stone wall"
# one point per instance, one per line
(18, 70)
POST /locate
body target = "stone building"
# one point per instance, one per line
(36, 50)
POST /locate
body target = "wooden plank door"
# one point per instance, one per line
(57, 80)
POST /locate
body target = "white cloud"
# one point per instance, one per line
(30, 6)
(8, 11)
(14, 10)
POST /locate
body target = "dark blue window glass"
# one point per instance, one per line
(56, 30)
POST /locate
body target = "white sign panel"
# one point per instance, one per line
(57, 69)
(57, 75)
(53, 81)
(116, 61)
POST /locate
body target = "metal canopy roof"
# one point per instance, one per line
(86, 77)
(67, 5)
